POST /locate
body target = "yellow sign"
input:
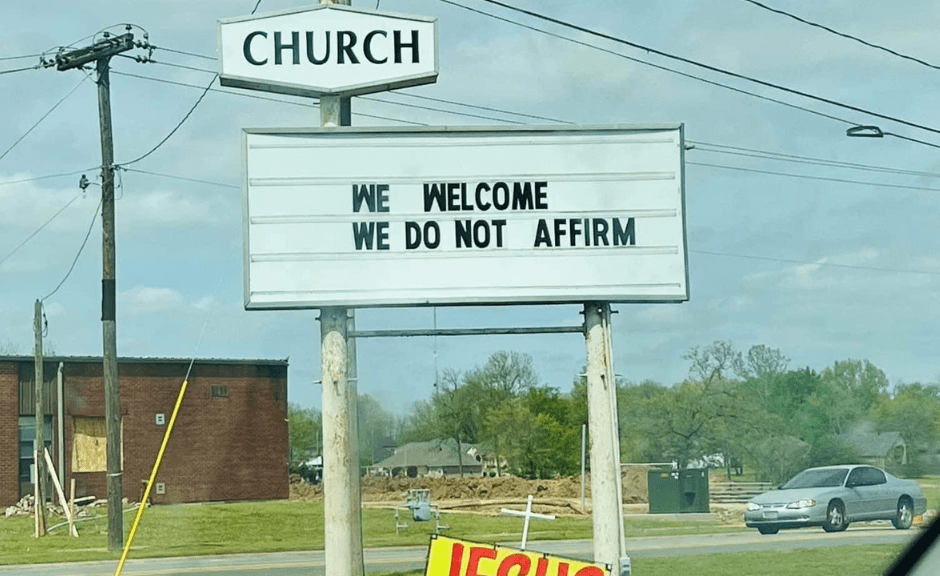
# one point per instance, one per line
(450, 557)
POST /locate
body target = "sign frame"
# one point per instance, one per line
(436, 540)
(313, 91)
(352, 132)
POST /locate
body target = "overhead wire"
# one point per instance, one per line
(695, 63)
(38, 122)
(11, 71)
(75, 260)
(185, 178)
(46, 177)
(38, 230)
(823, 264)
(23, 57)
(843, 34)
(807, 177)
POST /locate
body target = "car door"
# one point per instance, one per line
(886, 498)
(861, 497)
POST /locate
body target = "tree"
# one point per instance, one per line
(375, 425)
(304, 426)
(854, 386)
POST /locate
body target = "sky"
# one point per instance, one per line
(820, 268)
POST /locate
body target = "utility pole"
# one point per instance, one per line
(101, 52)
(39, 444)
(606, 491)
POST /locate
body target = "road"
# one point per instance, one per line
(413, 557)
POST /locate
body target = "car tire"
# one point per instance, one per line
(835, 517)
(905, 514)
(768, 530)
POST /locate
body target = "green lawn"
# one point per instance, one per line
(195, 529)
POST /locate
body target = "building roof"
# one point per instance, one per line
(433, 454)
(149, 360)
(871, 443)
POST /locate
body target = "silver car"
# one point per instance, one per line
(834, 496)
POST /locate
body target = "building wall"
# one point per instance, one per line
(9, 434)
(232, 447)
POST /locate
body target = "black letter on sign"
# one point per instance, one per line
(363, 232)
(247, 48)
(382, 243)
(399, 45)
(412, 235)
(434, 193)
(382, 197)
(624, 237)
(541, 234)
(345, 41)
(366, 193)
(294, 46)
(464, 233)
(367, 47)
(310, 54)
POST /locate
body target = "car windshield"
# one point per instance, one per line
(816, 479)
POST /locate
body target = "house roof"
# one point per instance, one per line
(871, 443)
(433, 454)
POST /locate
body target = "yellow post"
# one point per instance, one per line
(153, 476)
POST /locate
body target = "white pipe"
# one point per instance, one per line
(61, 418)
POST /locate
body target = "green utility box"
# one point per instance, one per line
(678, 491)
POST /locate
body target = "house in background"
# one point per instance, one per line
(434, 458)
(882, 449)
(230, 440)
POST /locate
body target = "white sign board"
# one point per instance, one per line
(359, 217)
(327, 49)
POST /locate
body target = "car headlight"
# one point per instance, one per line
(802, 504)
(753, 506)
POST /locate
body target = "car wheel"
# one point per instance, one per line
(768, 530)
(835, 517)
(905, 516)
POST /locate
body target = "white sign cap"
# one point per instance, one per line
(327, 49)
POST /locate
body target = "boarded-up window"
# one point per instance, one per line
(90, 444)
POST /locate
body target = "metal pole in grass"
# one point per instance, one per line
(153, 476)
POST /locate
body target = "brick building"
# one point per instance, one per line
(230, 440)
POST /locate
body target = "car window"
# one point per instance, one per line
(857, 477)
(819, 478)
(874, 476)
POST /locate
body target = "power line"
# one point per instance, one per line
(23, 57)
(46, 177)
(405, 104)
(652, 65)
(843, 34)
(177, 127)
(824, 264)
(807, 177)
(487, 108)
(193, 54)
(782, 157)
(197, 180)
(80, 249)
(702, 65)
(256, 97)
(11, 71)
(25, 134)
(38, 230)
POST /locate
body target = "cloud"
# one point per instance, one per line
(141, 300)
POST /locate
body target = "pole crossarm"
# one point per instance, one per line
(467, 331)
(101, 49)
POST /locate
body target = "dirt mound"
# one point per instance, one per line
(384, 489)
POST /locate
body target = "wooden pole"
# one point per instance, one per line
(112, 400)
(58, 489)
(40, 420)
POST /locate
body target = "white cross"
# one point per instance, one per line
(527, 515)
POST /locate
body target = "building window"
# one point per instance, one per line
(218, 391)
(90, 444)
(27, 431)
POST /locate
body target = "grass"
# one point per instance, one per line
(274, 526)
(869, 560)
